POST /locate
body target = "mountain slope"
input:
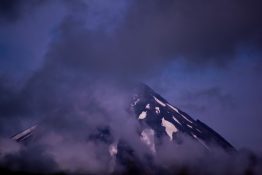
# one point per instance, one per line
(165, 119)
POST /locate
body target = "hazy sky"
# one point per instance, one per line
(204, 57)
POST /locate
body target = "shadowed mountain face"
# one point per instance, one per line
(158, 121)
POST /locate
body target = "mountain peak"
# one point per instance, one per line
(156, 112)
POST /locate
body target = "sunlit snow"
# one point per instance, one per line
(160, 102)
(186, 118)
(142, 115)
(148, 106)
(170, 128)
(190, 126)
(172, 107)
(176, 120)
(157, 110)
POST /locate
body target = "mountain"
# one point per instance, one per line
(166, 119)
(158, 119)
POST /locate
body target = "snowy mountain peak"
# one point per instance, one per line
(166, 119)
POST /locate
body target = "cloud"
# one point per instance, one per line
(8, 9)
(29, 160)
(207, 31)
(141, 36)
(13, 11)
(135, 37)
(92, 54)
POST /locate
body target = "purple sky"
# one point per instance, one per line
(203, 57)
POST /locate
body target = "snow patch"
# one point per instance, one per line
(148, 106)
(201, 141)
(170, 128)
(186, 118)
(190, 126)
(157, 110)
(175, 109)
(176, 120)
(160, 102)
(135, 102)
(25, 134)
(142, 115)
(172, 107)
(198, 130)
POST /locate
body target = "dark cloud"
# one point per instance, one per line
(199, 31)
(31, 159)
(8, 9)
(145, 34)
(153, 32)
(141, 36)
(12, 11)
